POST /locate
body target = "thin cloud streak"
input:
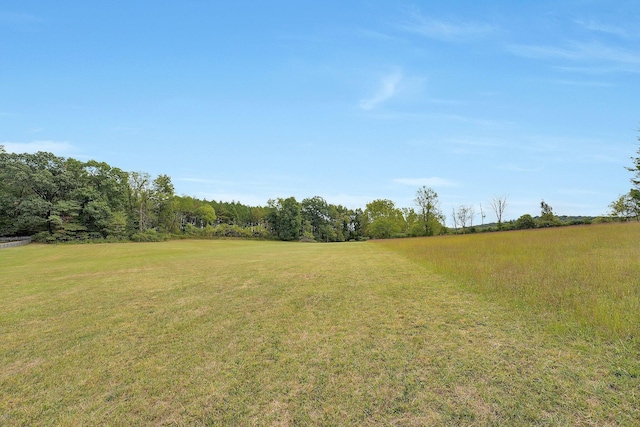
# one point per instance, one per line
(581, 52)
(387, 90)
(582, 83)
(603, 28)
(374, 35)
(446, 31)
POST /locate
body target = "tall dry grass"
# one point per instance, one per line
(587, 276)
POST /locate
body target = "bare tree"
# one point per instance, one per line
(464, 216)
(499, 204)
(455, 219)
(482, 214)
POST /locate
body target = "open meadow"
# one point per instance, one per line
(519, 328)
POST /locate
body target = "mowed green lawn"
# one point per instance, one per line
(272, 333)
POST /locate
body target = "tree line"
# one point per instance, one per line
(59, 199)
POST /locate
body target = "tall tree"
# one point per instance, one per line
(140, 205)
(319, 215)
(285, 218)
(162, 203)
(102, 196)
(356, 224)
(429, 209)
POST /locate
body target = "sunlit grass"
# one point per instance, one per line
(587, 275)
(271, 333)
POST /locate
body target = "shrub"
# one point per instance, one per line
(525, 221)
(150, 235)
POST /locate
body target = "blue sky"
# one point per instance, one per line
(352, 101)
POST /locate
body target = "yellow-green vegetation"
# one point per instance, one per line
(587, 277)
(274, 333)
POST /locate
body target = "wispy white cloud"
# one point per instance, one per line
(583, 83)
(446, 31)
(56, 147)
(429, 182)
(595, 53)
(374, 35)
(387, 89)
(604, 28)
(595, 70)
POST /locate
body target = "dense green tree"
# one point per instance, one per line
(42, 192)
(101, 193)
(317, 213)
(285, 218)
(341, 219)
(33, 184)
(357, 223)
(162, 193)
(383, 219)
(205, 214)
(524, 222)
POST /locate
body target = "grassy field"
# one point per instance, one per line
(586, 278)
(272, 333)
